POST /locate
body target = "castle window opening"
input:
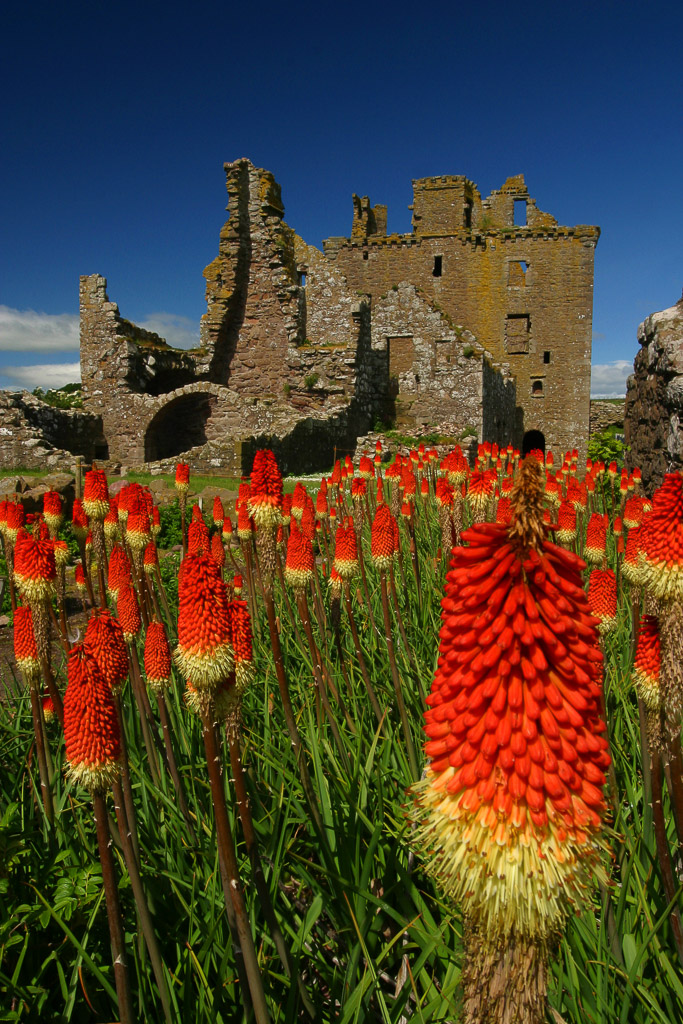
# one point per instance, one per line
(467, 214)
(302, 279)
(365, 254)
(517, 333)
(537, 388)
(520, 213)
(438, 266)
(546, 357)
(517, 274)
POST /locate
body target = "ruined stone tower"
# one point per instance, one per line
(478, 322)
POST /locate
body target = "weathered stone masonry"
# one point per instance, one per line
(470, 323)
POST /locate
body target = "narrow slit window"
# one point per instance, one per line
(520, 213)
(302, 280)
(438, 266)
(365, 255)
(546, 358)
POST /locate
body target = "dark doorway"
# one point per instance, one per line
(180, 425)
(533, 440)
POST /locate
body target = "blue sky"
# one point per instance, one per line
(117, 118)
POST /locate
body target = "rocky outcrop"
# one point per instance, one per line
(654, 397)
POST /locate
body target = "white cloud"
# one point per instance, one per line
(179, 331)
(28, 331)
(608, 380)
(43, 375)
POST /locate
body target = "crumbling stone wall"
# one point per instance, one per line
(654, 397)
(34, 435)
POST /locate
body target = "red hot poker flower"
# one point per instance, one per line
(25, 649)
(218, 512)
(300, 562)
(52, 511)
(511, 805)
(662, 540)
(240, 624)
(91, 732)
(646, 664)
(217, 550)
(96, 494)
(137, 530)
(197, 536)
(129, 613)
(383, 538)
(346, 551)
(104, 640)
(150, 559)
(204, 651)
(298, 502)
(596, 539)
(602, 598)
(79, 521)
(182, 477)
(34, 567)
(265, 499)
(119, 574)
(157, 657)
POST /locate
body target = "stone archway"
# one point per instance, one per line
(179, 425)
(532, 440)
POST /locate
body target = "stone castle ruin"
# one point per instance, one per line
(477, 323)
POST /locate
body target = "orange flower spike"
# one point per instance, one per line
(633, 512)
(91, 732)
(566, 523)
(366, 468)
(182, 478)
(25, 649)
(218, 512)
(300, 562)
(197, 536)
(383, 538)
(321, 508)
(157, 657)
(596, 539)
(104, 640)
(602, 598)
(95, 494)
(128, 613)
(662, 541)
(308, 520)
(53, 514)
(204, 651)
(16, 516)
(137, 530)
(79, 521)
(265, 500)
(632, 566)
(647, 663)
(237, 584)
(217, 550)
(150, 559)
(240, 622)
(155, 528)
(34, 567)
(512, 801)
(244, 523)
(227, 530)
(79, 580)
(61, 549)
(298, 502)
(346, 551)
(118, 572)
